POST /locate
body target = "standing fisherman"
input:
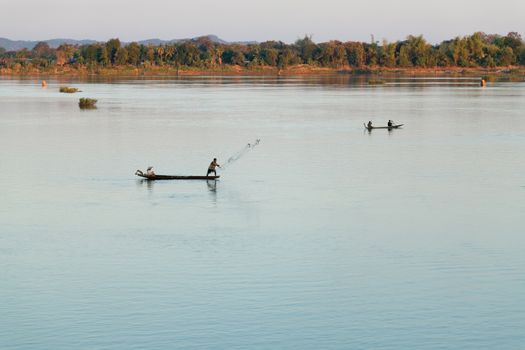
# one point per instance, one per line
(211, 168)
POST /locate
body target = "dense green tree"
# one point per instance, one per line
(188, 55)
(339, 54)
(355, 54)
(475, 46)
(506, 57)
(112, 46)
(459, 52)
(388, 54)
(208, 54)
(89, 53)
(133, 50)
(491, 52)
(160, 55)
(331, 54)
(254, 56)
(306, 49)
(121, 57)
(269, 56)
(233, 56)
(42, 50)
(323, 54)
(498, 40)
(102, 55)
(490, 62)
(286, 57)
(404, 57)
(65, 53)
(150, 54)
(514, 41)
(442, 57)
(522, 56)
(219, 50)
(371, 54)
(22, 54)
(418, 51)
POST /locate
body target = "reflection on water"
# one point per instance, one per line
(213, 81)
(143, 182)
(319, 238)
(179, 189)
(212, 185)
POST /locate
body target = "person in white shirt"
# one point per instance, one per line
(150, 171)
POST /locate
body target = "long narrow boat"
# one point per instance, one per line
(176, 177)
(383, 127)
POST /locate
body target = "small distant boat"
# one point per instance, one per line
(384, 127)
(174, 177)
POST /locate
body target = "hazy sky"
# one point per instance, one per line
(260, 20)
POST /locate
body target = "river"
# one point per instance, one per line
(323, 236)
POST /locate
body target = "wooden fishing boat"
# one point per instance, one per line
(383, 127)
(174, 177)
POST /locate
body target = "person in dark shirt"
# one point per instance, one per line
(211, 168)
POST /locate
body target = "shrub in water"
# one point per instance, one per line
(68, 90)
(87, 103)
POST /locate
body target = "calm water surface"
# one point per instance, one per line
(322, 237)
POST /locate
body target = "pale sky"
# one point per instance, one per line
(260, 20)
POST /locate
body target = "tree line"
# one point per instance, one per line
(476, 50)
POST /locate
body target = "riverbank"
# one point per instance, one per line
(78, 71)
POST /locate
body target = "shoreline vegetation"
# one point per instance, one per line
(479, 54)
(302, 69)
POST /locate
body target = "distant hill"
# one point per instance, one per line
(14, 45)
(212, 38)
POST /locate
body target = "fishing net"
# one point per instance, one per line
(241, 153)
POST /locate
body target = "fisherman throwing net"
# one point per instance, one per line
(211, 168)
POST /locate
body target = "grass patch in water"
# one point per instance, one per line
(68, 90)
(87, 103)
